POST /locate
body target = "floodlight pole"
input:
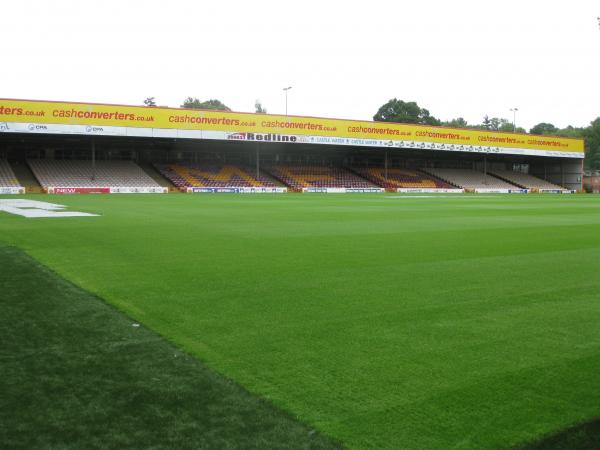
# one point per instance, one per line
(286, 98)
(514, 111)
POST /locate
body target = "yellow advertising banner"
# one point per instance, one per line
(268, 127)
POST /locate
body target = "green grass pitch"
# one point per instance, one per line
(384, 321)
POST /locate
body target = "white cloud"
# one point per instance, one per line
(343, 58)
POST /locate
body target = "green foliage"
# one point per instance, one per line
(404, 112)
(571, 132)
(194, 103)
(77, 375)
(150, 101)
(592, 145)
(429, 323)
(497, 124)
(544, 128)
(456, 123)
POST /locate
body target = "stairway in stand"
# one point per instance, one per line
(26, 178)
(157, 176)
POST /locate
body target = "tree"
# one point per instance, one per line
(486, 124)
(456, 123)
(194, 103)
(592, 145)
(259, 108)
(506, 125)
(404, 112)
(150, 101)
(544, 128)
(498, 124)
(571, 132)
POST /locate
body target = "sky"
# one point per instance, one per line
(343, 59)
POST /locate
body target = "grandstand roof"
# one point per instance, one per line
(51, 117)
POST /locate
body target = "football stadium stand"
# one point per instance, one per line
(525, 180)
(301, 177)
(401, 178)
(78, 173)
(470, 179)
(7, 176)
(214, 176)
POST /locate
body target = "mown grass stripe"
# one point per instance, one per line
(76, 374)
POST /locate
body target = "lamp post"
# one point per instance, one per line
(286, 95)
(514, 111)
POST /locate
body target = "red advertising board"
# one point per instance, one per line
(79, 190)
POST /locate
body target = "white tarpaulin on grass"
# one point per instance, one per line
(33, 209)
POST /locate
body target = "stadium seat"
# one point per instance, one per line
(401, 178)
(299, 177)
(525, 180)
(7, 176)
(469, 179)
(215, 175)
(78, 173)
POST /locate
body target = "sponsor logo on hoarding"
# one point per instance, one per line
(108, 190)
(236, 136)
(90, 129)
(138, 190)
(330, 190)
(430, 190)
(79, 190)
(557, 191)
(365, 190)
(271, 137)
(36, 127)
(12, 190)
(238, 190)
(3, 126)
(492, 191)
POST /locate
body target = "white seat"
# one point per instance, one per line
(469, 179)
(61, 173)
(7, 176)
(525, 180)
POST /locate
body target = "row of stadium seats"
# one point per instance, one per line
(299, 177)
(62, 173)
(469, 179)
(524, 180)
(7, 176)
(296, 177)
(73, 173)
(194, 175)
(401, 178)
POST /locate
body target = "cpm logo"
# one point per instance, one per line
(36, 127)
(90, 129)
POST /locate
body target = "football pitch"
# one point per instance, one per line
(382, 321)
